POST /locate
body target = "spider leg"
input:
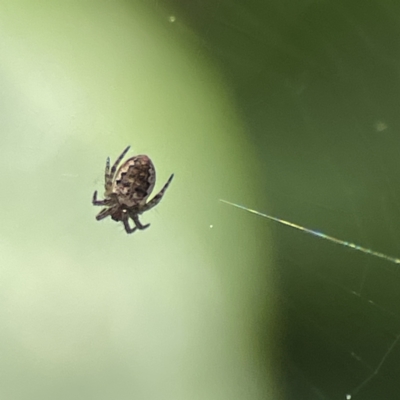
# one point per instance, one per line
(138, 224)
(104, 213)
(110, 173)
(117, 161)
(107, 180)
(128, 229)
(96, 202)
(107, 171)
(157, 198)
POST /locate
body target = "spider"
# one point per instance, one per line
(128, 189)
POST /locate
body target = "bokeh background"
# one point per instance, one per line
(178, 311)
(286, 107)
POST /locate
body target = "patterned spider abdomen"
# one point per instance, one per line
(127, 189)
(134, 181)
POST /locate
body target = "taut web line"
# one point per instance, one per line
(319, 234)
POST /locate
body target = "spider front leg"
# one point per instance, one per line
(157, 198)
(107, 177)
(96, 202)
(109, 174)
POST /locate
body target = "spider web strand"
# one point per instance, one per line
(321, 235)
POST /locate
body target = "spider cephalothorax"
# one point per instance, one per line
(128, 189)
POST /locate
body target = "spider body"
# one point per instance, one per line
(127, 190)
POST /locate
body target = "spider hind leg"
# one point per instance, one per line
(128, 229)
(157, 198)
(138, 224)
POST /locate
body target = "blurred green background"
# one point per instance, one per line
(87, 311)
(290, 108)
(317, 85)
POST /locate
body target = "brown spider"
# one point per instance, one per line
(128, 189)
